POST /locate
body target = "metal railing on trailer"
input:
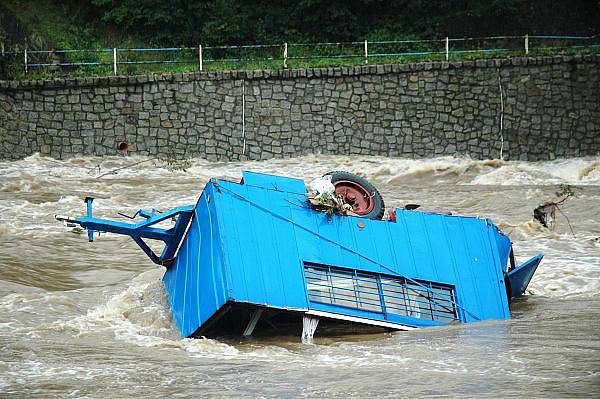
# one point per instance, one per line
(274, 56)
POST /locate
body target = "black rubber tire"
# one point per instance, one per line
(378, 204)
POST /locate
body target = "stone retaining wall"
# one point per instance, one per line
(549, 107)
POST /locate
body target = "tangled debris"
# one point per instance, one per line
(170, 160)
(331, 204)
(546, 212)
(322, 197)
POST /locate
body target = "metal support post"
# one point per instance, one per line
(88, 201)
(252, 323)
(366, 53)
(309, 326)
(285, 55)
(526, 44)
(25, 56)
(447, 42)
(115, 61)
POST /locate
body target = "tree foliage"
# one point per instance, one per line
(239, 22)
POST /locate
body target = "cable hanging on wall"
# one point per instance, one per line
(243, 117)
(501, 116)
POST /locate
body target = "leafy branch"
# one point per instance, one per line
(546, 212)
(170, 160)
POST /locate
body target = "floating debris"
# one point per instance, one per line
(546, 212)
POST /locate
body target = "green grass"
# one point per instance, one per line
(190, 63)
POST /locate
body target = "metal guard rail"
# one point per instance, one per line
(283, 51)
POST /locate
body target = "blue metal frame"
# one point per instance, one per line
(139, 231)
(520, 276)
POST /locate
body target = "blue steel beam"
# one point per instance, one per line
(138, 231)
(178, 231)
(110, 226)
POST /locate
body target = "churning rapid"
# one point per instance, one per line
(91, 320)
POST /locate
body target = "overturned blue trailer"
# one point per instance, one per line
(255, 254)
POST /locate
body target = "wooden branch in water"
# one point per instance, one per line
(114, 171)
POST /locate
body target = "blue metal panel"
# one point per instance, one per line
(416, 237)
(400, 237)
(520, 277)
(235, 254)
(196, 283)
(458, 251)
(275, 183)
(288, 253)
(441, 253)
(191, 314)
(260, 245)
(269, 268)
(467, 292)
(383, 245)
(504, 245)
(311, 246)
(250, 262)
(258, 218)
(363, 244)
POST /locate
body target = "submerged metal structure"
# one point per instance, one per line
(254, 253)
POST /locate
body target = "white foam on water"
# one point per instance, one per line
(573, 270)
(139, 315)
(577, 171)
(137, 311)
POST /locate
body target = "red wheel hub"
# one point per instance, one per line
(355, 195)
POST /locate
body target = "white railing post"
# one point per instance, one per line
(447, 43)
(285, 55)
(115, 61)
(200, 57)
(25, 59)
(526, 44)
(366, 53)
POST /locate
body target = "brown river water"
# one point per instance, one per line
(81, 319)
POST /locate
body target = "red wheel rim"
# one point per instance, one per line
(355, 195)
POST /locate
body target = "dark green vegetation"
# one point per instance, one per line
(238, 21)
(97, 24)
(84, 23)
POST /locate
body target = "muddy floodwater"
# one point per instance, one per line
(81, 319)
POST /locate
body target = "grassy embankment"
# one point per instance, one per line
(67, 26)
